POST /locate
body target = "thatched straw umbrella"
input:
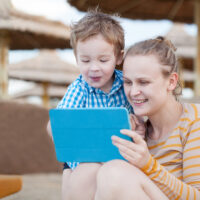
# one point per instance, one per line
(186, 51)
(54, 91)
(46, 68)
(23, 31)
(175, 10)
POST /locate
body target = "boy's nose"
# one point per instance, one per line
(94, 67)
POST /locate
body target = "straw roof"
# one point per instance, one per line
(185, 43)
(37, 90)
(46, 67)
(176, 10)
(28, 31)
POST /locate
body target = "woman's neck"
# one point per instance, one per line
(165, 120)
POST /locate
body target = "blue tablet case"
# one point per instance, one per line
(84, 134)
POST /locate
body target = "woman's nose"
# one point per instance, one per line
(135, 91)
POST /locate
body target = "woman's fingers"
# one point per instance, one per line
(135, 152)
(136, 138)
(133, 123)
(123, 144)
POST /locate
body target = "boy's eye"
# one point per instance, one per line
(85, 61)
(103, 61)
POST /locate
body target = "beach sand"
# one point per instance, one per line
(39, 187)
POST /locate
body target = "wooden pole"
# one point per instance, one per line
(4, 48)
(45, 96)
(197, 61)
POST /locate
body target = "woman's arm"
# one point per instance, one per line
(137, 154)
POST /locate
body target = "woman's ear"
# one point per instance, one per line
(173, 80)
(120, 57)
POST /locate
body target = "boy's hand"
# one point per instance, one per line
(138, 125)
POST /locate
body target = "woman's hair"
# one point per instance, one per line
(164, 50)
(94, 23)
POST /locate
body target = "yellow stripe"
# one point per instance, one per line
(191, 149)
(194, 130)
(174, 136)
(196, 120)
(185, 119)
(191, 166)
(191, 157)
(147, 165)
(194, 193)
(168, 179)
(181, 191)
(193, 182)
(180, 178)
(171, 181)
(159, 144)
(181, 128)
(195, 110)
(188, 193)
(185, 110)
(178, 183)
(175, 184)
(166, 155)
(171, 145)
(155, 176)
(172, 161)
(193, 140)
(189, 175)
(176, 169)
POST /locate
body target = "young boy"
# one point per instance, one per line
(98, 43)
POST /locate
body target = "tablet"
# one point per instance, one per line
(84, 134)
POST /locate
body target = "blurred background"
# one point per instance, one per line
(37, 64)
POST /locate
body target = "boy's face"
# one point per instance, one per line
(96, 60)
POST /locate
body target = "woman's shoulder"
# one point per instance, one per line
(191, 110)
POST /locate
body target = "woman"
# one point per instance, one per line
(166, 164)
(171, 156)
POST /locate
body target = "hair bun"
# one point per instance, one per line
(166, 41)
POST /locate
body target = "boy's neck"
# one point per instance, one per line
(108, 85)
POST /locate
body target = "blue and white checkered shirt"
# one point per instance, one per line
(81, 95)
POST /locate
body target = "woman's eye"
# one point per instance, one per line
(144, 82)
(127, 82)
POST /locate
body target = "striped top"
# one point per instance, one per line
(175, 162)
(81, 95)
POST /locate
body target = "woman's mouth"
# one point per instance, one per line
(139, 101)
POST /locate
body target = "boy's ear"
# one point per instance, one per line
(120, 57)
(173, 80)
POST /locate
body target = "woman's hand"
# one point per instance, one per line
(138, 125)
(136, 152)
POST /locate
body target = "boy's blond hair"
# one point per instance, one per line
(94, 23)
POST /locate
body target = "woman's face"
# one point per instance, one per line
(144, 84)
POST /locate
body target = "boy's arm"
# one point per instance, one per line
(49, 131)
(73, 98)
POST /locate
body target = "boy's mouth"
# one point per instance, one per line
(95, 78)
